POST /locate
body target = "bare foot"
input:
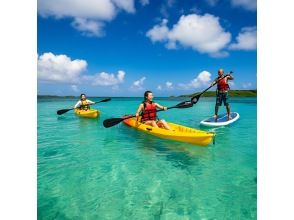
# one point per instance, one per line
(215, 118)
(229, 117)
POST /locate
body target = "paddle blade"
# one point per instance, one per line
(185, 104)
(195, 99)
(105, 100)
(62, 111)
(112, 121)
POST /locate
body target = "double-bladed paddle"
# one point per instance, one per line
(114, 121)
(62, 111)
(195, 98)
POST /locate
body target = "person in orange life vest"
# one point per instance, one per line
(83, 103)
(222, 92)
(148, 110)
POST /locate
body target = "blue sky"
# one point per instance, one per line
(124, 47)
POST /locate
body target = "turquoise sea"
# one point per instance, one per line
(86, 171)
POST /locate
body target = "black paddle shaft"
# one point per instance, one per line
(114, 121)
(62, 111)
(198, 95)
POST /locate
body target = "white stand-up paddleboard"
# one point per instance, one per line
(222, 120)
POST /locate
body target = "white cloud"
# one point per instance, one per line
(247, 85)
(89, 27)
(203, 79)
(159, 32)
(89, 15)
(246, 4)
(202, 33)
(138, 84)
(106, 79)
(94, 9)
(159, 87)
(59, 68)
(127, 5)
(144, 2)
(169, 85)
(74, 88)
(246, 39)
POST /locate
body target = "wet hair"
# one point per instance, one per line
(146, 94)
(82, 95)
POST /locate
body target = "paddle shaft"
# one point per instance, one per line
(210, 86)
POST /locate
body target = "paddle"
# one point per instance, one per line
(62, 111)
(195, 98)
(114, 121)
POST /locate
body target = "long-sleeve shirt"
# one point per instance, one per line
(79, 103)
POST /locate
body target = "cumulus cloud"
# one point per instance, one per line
(62, 69)
(138, 84)
(246, 4)
(127, 5)
(159, 32)
(246, 39)
(169, 85)
(203, 79)
(202, 33)
(59, 68)
(88, 27)
(106, 79)
(89, 15)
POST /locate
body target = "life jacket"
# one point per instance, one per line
(84, 105)
(149, 112)
(222, 85)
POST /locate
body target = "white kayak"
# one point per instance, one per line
(222, 120)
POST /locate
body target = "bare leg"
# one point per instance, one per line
(164, 124)
(216, 111)
(151, 123)
(228, 112)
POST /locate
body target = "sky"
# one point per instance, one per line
(124, 47)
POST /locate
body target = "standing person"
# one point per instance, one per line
(222, 92)
(147, 109)
(83, 103)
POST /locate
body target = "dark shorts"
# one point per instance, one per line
(222, 97)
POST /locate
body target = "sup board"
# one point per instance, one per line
(222, 120)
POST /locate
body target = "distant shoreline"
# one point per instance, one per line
(232, 93)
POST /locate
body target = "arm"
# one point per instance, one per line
(139, 110)
(77, 104)
(90, 102)
(160, 107)
(214, 81)
(230, 77)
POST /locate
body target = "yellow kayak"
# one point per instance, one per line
(178, 132)
(91, 113)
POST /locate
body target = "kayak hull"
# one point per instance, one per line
(178, 132)
(222, 120)
(91, 113)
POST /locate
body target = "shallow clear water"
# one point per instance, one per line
(86, 171)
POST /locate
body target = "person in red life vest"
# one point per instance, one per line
(222, 92)
(147, 110)
(83, 103)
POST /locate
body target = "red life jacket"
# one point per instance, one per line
(222, 85)
(149, 112)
